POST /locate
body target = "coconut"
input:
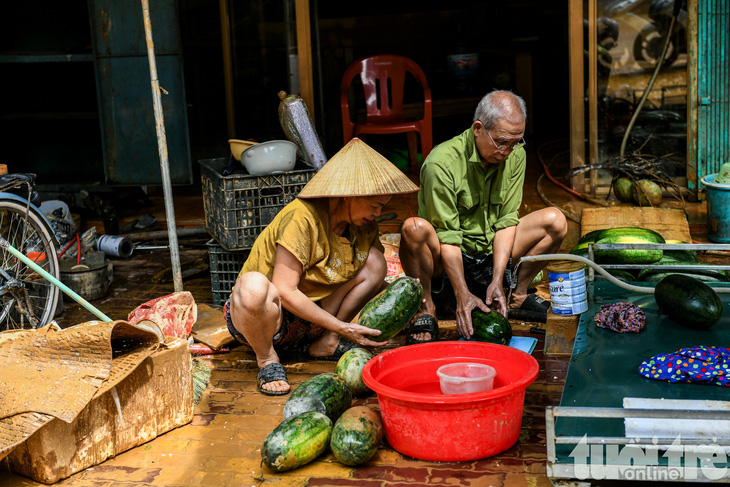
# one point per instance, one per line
(647, 192)
(623, 188)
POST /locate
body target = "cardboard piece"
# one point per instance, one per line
(210, 329)
(154, 398)
(670, 223)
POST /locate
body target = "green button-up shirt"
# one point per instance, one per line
(466, 202)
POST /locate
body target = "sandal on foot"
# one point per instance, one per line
(342, 347)
(271, 373)
(533, 308)
(424, 323)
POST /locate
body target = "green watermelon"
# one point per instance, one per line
(350, 366)
(296, 441)
(326, 393)
(356, 435)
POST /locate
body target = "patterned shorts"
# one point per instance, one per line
(478, 272)
(293, 334)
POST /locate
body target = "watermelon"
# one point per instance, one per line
(490, 327)
(326, 393)
(391, 310)
(350, 366)
(296, 441)
(356, 435)
(688, 301)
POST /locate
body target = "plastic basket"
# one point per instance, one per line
(224, 268)
(238, 207)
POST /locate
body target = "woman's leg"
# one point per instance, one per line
(256, 314)
(350, 298)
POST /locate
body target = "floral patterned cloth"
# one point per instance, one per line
(704, 365)
(175, 313)
(621, 318)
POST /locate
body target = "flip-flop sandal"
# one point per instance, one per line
(271, 373)
(424, 323)
(343, 346)
(533, 308)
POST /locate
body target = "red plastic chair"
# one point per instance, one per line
(383, 79)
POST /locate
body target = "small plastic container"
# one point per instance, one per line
(465, 378)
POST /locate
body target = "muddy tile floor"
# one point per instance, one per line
(221, 446)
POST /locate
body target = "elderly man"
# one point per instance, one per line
(468, 232)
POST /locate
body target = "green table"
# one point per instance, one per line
(603, 371)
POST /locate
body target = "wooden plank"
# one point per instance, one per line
(671, 223)
(304, 54)
(560, 333)
(577, 92)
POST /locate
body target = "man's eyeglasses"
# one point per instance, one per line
(505, 148)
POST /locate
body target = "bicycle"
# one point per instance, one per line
(27, 300)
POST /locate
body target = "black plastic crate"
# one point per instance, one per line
(238, 207)
(224, 268)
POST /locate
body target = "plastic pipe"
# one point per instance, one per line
(5, 245)
(603, 272)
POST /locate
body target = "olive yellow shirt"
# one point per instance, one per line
(303, 227)
(466, 202)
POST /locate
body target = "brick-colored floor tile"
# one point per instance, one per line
(325, 482)
(107, 472)
(526, 480)
(392, 474)
(464, 477)
(202, 477)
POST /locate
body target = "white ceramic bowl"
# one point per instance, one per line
(269, 157)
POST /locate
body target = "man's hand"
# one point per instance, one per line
(464, 308)
(496, 298)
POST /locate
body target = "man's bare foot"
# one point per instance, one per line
(422, 328)
(516, 300)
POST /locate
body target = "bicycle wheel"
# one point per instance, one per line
(27, 299)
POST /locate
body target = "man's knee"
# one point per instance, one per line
(415, 231)
(555, 222)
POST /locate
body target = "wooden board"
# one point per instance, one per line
(670, 223)
(560, 333)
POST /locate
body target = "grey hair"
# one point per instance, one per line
(500, 105)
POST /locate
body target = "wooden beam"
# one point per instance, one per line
(577, 90)
(592, 93)
(304, 54)
(227, 67)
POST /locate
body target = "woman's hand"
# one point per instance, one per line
(359, 334)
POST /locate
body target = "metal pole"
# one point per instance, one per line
(162, 149)
(6, 245)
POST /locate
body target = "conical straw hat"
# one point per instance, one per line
(357, 170)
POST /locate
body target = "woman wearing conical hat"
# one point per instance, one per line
(316, 265)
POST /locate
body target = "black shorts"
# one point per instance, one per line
(293, 334)
(478, 272)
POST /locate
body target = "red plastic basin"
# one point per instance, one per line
(423, 423)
